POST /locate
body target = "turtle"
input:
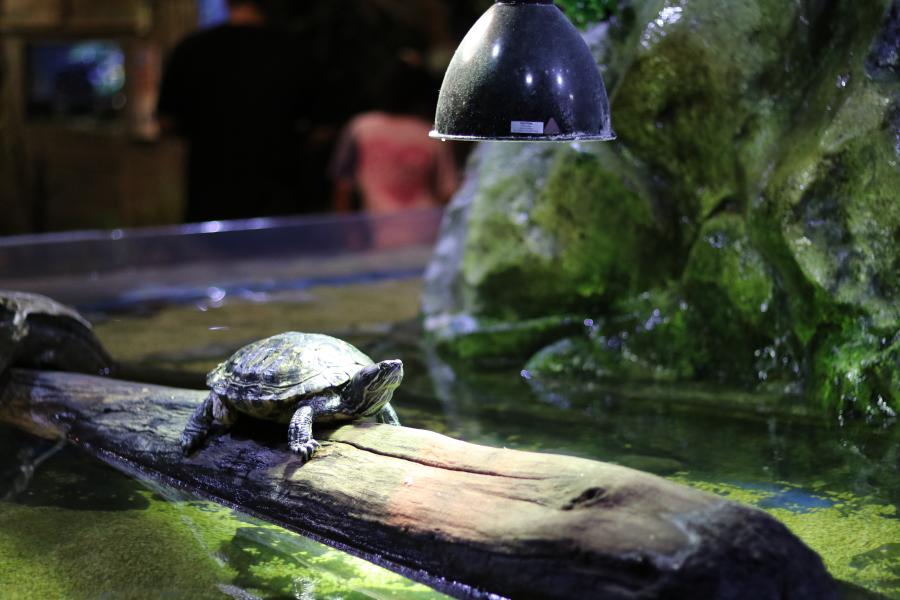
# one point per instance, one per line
(296, 378)
(39, 332)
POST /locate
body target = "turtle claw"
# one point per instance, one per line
(190, 443)
(305, 450)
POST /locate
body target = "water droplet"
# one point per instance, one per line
(525, 374)
(717, 240)
(843, 80)
(215, 294)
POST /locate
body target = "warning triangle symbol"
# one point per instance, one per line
(552, 128)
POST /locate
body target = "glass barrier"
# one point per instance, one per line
(202, 259)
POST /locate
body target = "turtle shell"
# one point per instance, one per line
(286, 366)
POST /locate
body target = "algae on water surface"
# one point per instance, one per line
(83, 531)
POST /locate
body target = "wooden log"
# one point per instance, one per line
(466, 519)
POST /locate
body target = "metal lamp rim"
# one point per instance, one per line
(568, 137)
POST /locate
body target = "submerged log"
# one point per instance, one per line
(466, 519)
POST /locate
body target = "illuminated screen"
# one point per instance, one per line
(78, 78)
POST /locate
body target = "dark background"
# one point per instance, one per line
(74, 163)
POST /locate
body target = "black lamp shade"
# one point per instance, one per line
(523, 73)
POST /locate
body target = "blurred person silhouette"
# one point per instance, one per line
(239, 93)
(384, 161)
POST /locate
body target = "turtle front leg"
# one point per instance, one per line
(300, 433)
(198, 426)
(212, 410)
(388, 415)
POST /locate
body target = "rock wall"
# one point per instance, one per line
(744, 228)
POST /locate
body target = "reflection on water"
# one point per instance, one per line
(837, 487)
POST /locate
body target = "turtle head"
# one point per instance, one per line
(372, 387)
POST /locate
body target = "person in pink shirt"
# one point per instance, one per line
(386, 157)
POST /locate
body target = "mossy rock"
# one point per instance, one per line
(687, 106)
(649, 339)
(857, 371)
(724, 266)
(842, 224)
(585, 12)
(553, 231)
(495, 342)
(734, 318)
(829, 205)
(716, 323)
(748, 211)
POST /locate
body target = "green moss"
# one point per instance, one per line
(717, 323)
(586, 12)
(83, 531)
(605, 234)
(677, 122)
(850, 534)
(724, 265)
(658, 329)
(555, 243)
(566, 357)
(485, 340)
(855, 370)
(733, 320)
(842, 226)
(649, 339)
(691, 106)
(504, 260)
(56, 553)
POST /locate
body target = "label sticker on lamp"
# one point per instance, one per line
(533, 127)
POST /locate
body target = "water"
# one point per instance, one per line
(82, 530)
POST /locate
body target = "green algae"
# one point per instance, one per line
(526, 236)
(50, 552)
(492, 341)
(586, 12)
(841, 227)
(526, 239)
(724, 267)
(181, 550)
(857, 369)
(651, 339)
(621, 254)
(850, 534)
(183, 337)
(59, 539)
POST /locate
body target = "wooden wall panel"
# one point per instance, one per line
(27, 14)
(119, 15)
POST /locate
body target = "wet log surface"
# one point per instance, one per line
(467, 519)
